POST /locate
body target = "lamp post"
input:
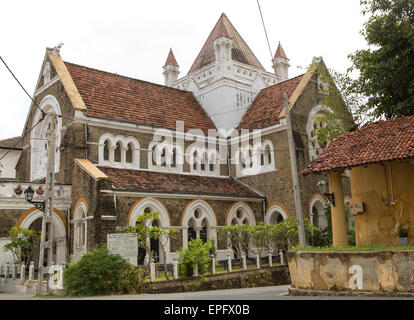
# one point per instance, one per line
(28, 194)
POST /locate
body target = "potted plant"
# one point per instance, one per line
(403, 237)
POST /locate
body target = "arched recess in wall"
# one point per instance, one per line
(150, 205)
(317, 214)
(38, 138)
(33, 217)
(314, 148)
(349, 210)
(275, 213)
(199, 221)
(80, 227)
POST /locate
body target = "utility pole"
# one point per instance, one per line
(295, 179)
(46, 239)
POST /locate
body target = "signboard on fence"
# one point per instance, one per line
(124, 244)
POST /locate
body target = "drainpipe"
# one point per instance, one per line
(68, 237)
(85, 126)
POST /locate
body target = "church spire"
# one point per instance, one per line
(281, 64)
(240, 51)
(171, 69)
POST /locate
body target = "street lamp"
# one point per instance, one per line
(28, 194)
(324, 189)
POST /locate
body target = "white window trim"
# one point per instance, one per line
(49, 104)
(309, 128)
(256, 166)
(124, 143)
(169, 152)
(79, 222)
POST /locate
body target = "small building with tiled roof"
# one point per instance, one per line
(206, 150)
(380, 157)
(10, 151)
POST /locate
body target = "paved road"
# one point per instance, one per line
(262, 293)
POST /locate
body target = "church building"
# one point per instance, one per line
(204, 150)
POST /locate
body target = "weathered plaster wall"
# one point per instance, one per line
(386, 206)
(331, 271)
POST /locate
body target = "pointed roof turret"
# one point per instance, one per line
(280, 52)
(240, 51)
(171, 59)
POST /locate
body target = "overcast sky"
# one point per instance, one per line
(133, 38)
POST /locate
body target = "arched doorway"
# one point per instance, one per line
(276, 213)
(150, 205)
(317, 213)
(32, 219)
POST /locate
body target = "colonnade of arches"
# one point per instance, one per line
(198, 220)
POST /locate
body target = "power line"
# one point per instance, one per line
(43, 113)
(261, 15)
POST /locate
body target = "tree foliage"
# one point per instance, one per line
(22, 244)
(343, 103)
(287, 233)
(237, 237)
(145, 231)
(262, 236)
(386, 69)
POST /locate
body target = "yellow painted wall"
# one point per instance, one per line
(380, 221)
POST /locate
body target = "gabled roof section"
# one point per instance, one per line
(172, 183)
(240, 51)
(91, 169)
(67, 81)
(381, 141)
(112, 96)
(268, 105)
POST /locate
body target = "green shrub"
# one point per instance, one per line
(321, 238)
(198, 252)
(134, 279)
(96, 272)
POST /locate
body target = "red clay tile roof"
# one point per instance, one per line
(112, 96)
(377, 142)
(266, 107)
(171, 183)
(280, 52)
(171, 59)
(240, 51)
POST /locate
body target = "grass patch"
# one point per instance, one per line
(354, 248)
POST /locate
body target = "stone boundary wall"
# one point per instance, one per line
(354, 272)
(22, 286)
(265, 276)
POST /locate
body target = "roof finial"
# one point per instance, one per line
(55, 51)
